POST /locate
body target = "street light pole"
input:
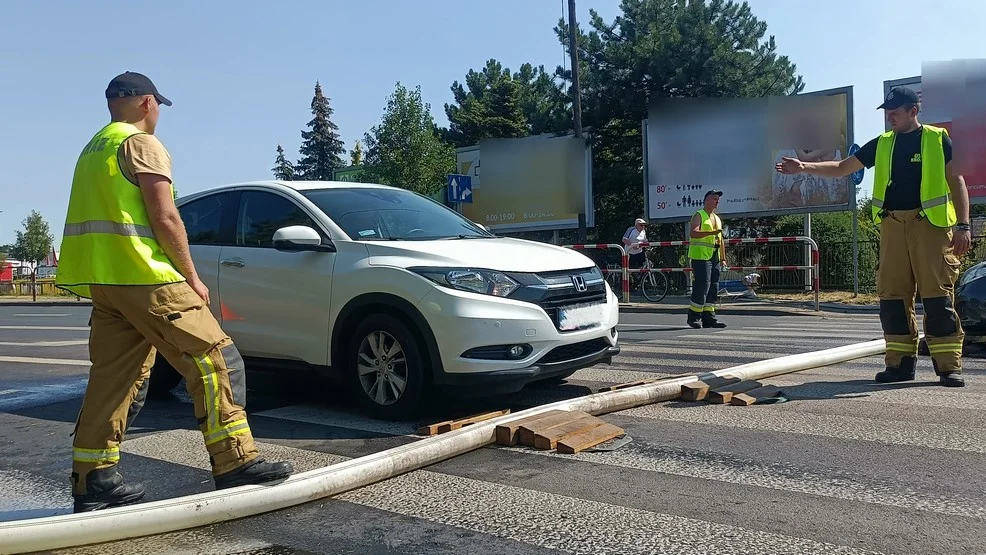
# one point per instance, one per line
(573, 49)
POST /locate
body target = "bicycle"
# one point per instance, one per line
(653, 285)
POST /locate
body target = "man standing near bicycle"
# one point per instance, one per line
(635, 235)
(707, 252)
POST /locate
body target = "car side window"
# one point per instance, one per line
(203, 220)
(261, 214)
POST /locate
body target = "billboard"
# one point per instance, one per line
(953, 98)
(528, 183)
(692, 145)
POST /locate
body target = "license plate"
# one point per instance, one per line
(580, 316)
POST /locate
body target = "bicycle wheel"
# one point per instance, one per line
(654, 286)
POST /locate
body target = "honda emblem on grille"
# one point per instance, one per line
(579, 283)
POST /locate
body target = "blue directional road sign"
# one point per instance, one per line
(460, 188)
(856, 176)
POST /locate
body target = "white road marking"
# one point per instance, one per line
(42, 315)
(62, 328)
(44, 343)
(60, 361)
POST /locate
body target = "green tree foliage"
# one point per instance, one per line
(33, 244)
(283, 168)
(494, 103)
(356, 155)
(489, 106)
(405, 150)
(321, 147)
(661, 49)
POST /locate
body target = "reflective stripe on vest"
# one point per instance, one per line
(702, 248)
(936, 204)
(108, 239)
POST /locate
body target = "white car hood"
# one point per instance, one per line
(501, 253)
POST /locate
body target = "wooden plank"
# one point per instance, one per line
(528, 429)
(698, 391)
(456, 424)
(589, 438)
(725, 393)
(754, 395)
(508, 433)
(548, 438)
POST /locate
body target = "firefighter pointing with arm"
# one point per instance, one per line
(922, 207)
(125, 247)
(707, 253)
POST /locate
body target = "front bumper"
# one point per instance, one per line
(500, 382)
(464, 322)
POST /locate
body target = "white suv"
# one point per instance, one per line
(392, 291)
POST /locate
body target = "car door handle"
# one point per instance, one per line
(233, 262)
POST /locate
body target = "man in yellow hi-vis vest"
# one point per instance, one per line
(922, 206)
(125, 247)
(707, 252)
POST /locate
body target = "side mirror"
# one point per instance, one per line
(300, 238)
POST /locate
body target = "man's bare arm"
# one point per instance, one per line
(832, 168)
(960, 195)
(168, 228)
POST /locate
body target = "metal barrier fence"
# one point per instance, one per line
(812, 269)
(624, 262)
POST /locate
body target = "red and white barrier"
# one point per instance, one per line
(813, 268)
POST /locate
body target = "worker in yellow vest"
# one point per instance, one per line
(125, 247)
(707, 252)
(922, 206)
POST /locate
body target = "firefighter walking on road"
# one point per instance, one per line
(706, 250)
(125, 247)
(922, 206)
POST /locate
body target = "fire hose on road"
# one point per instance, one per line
(169, 515)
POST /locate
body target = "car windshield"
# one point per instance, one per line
(370, 214)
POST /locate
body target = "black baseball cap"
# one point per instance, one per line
(133, 84)
(712, 192)
(897, 97)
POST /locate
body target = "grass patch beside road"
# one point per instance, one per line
(844, 297)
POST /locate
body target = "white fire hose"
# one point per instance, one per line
(169, 515)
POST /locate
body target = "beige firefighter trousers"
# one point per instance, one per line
(130, 324)
(916, 255)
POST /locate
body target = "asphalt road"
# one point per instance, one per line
(845, 466)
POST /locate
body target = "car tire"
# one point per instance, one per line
(164, 378)
(400, 371)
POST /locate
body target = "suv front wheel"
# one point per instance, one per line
(385, 369)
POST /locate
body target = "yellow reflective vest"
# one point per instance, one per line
(702, 248)
(936, 202)
(108, 238)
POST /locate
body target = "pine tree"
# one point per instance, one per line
(356, 155)
(321, 148)
(283, 168)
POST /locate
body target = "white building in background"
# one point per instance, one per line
(22, 269)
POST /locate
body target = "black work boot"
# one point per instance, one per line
(105, 489)
(694, 319)
(903, 374)
(257, 471)
(951, 378)
(709, 321)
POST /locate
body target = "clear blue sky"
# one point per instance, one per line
(242, 75)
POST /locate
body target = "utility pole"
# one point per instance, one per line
(573, 49)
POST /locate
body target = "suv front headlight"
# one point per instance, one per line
(486, 282)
